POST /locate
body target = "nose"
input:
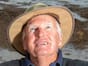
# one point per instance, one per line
(40, 32)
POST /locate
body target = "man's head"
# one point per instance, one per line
(42, 35)
(37, 20)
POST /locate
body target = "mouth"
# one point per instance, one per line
(41, 43)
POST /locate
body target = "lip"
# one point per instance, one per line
(41, 43)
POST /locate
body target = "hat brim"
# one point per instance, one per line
(65, 18)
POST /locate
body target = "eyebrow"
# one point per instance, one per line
(32, 25)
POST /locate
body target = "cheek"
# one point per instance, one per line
(55, 39)
(30, 38)
(28, 41)
(52, 37)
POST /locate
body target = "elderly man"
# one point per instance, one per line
(39, 34)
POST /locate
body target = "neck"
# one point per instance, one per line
(43, 60)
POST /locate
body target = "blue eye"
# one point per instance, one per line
(48, 27)
(32, 29)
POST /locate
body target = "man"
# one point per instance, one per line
(40, 34)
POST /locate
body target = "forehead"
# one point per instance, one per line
(42, 19)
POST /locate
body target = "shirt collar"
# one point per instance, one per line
(27, 61)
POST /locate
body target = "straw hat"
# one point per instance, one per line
(65, 18)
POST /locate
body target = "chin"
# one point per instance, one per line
(45, 53)
(42, 53)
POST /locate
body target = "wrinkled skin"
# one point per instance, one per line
(41, 37)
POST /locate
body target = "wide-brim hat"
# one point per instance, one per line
(65, 18)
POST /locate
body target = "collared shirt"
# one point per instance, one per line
(27, 61)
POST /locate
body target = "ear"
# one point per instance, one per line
(60, 44)
(24, 40)
(24, 46)
(24, 43)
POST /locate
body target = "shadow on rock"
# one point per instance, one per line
(80, 35)
(6, 16)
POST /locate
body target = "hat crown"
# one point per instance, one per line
(36, 6)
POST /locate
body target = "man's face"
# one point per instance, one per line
(42, 36)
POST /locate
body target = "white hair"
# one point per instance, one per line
(59, 32)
